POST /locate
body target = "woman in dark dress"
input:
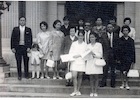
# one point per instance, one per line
(126, 55)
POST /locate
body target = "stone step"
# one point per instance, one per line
(4, 68)
(66, 90)
(132, 82)
(60, 95)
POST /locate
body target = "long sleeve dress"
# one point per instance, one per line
(79, 63)
(44, 40)
(91, 68)
(125, 53)
(57, 48)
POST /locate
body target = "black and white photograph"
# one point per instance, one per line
(69, 49)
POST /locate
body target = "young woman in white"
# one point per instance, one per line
(78, 65)
(91, 69)
(35, 56)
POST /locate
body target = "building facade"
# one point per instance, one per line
(37, 11)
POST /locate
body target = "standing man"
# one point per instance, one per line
(87, 29)
(109, 40)
(66, 27)
(116, 27)
(21, 42)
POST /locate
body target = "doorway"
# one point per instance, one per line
(90, 10)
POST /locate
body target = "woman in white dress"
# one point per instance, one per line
(91, 68)
(58, 38)
(78, 65)
(127, 21)
(44, 40)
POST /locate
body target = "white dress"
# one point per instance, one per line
(91, 68)
(44, 40)
(79, 63)
(35, 57)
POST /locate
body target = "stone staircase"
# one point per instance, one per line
(49, 88)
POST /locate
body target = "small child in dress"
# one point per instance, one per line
(35, 56)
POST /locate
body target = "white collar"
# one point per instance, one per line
(23, 27)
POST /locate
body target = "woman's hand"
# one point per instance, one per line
(76, 56)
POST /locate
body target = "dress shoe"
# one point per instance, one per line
(103, 85)
(27, 77)
(67, 84)
(113, 86)
(71, 84)
(19, 78)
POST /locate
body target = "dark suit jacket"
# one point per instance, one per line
(117, 29)
(67, 44)
(66, 31)
(15, 38)
(106, 45)
(126, 50)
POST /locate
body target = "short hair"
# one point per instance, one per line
(44, 23)
(35, 45)
(96, 36)
(127, 18)
(109, 24)
(66, 18)
(81, 31)
(71, 27)
(55, 22)
(22, 17)
(113, 18)
(125, 26)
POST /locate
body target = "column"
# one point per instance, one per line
(129, 11)
(9, 19)
(52, 13)
(61, 10)
(120, 13)
(137, 20)
(36, 11)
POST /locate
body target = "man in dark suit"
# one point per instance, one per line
(21, 42)
(116, 28)
(66, 27)
(109, 40)
(87, 29)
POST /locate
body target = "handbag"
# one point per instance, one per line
(69, 74)
(133, 73)
(100, 62)
(50, 63)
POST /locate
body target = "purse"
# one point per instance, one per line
(50, 63)
(133, 73)
(69, 74)
(100, 62)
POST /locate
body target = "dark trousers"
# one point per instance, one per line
(21, 52)
(109, 66)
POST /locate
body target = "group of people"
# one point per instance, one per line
(113, 44)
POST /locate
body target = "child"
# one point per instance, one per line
(126, 55)
(35, 56)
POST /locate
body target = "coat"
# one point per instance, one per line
(57, 48)
(15, 38)
(67, 43)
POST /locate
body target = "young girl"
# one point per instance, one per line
(91, 69)
(126, 55)
(78, 65)
(35, 56)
